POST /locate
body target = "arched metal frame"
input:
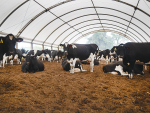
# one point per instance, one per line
(135, 7)
(97, 27)
(13, 12)
(101, 19)
(106, 30)
(109, 27)
(91, 14)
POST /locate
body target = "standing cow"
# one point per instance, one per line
(81, 52)
(105, 54)
(7, 45)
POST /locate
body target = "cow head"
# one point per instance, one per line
(10, 42)
(120, 50)
(30, 59)
(65, 47)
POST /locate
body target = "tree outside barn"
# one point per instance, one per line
(106, 40)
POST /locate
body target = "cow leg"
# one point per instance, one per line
(71, 65)
(130, 67)
(91, 62)
(11, 62)
(1, 63)
(107, 59)
(145, 67)
(4, 61)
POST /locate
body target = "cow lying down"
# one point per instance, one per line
(32, 65)
(119, 68)
(96, 62)
(66, 65)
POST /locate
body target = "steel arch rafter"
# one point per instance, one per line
(106, 27)
(97, 14)
(39, 14)
(94, 14)
(57, 17)
(106, 30)
(13, 12)
(62, 15)
(96, 19)
(100, 14)
(132, 15)
(92, 28)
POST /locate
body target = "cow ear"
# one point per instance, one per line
(19, 39)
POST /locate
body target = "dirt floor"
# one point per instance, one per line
(57, 91)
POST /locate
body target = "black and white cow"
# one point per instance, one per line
(133, 52)
(7, 45)
(104, 55)
(116, 50)
(119, 68)
(48, 55)
(96, 62)
(60, 55)
(66, 65)
(32, 65)
(54, 55)
(18, 55)
(81, 52)
(37, 53)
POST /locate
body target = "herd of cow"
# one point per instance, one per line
(127, 58)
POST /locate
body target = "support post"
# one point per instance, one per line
(31, 46)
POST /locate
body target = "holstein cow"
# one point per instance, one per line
(37, 53)
(18, 56)
(81, 52)
(116, 50)
(104, 55)
(32, 65)
(134, 52)
(60, 55)
(96, 62)
(119, 68)
(114, 57)
(54, 55)
(66, 65)
(48, 55)
(7, 45)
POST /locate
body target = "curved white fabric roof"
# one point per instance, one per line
(51, 22)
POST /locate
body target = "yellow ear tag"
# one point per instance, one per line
(61, 46)
(22, 58)
(115, 49)
(1, 41)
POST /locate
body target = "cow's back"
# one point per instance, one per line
(137, 51)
